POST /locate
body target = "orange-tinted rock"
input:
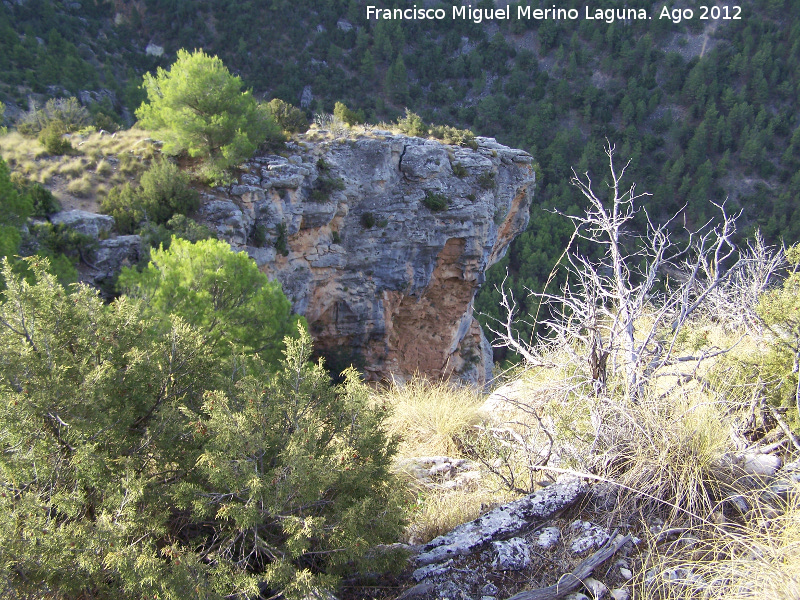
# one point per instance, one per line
(384, 281)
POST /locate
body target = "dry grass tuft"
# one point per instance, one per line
(433, 419)
(103, 168)
(759, 559)
(670, 451)
(430, 417)
(81, 187)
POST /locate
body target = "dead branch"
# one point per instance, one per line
(572, 581)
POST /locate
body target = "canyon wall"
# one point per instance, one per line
(381, 241)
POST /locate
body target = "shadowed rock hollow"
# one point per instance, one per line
(352, 230)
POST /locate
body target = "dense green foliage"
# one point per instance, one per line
(290, 118)
(200, 109)
(139, 462)
(219, 292)
(344, 114)
(19, 200)
(163, 191)
(780, 311)
(435, 202)
(16, 209)
(52, 138)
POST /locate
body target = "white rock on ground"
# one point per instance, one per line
(755, 463)
(84, 222)
(548, 537)
(431, 570)
(504, 521)
(587, 536)
(597, 588)
(511, 555)
(620, 594)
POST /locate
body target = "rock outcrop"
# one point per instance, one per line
(381, 241)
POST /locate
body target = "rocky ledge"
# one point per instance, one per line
(381, 241)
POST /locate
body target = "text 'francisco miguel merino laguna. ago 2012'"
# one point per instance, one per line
(607, 15)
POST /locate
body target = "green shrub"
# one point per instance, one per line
(200, 109)
(290, 118)
(487, 180)
(459, 170)
(368, 220)
(259, 236)
(324, 186)
(412, 124)
(435, 202)
(325, 495)
(164, 191)
(129, 448)
(451, 135)
(123, 203)
(59, 239)
(42, 199)
(179, 226)
(340, 111)
(52, 138)
(779, 310)
(282, 240)
(67, 112)
(16, 208)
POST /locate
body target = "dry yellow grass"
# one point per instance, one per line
(754, 560)
(80, 187)
(90, 170)
(430, 417)
(103, 168)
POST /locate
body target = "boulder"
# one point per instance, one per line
(112, 254)
(587, 536)
(548, 537)
(84, 222)
(755, 463)
(372, 269)
(511, 555)
(227, 220)
(505, 521)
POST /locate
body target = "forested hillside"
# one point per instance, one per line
(705, 110)
(159, 442)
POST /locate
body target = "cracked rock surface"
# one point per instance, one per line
(385, 281)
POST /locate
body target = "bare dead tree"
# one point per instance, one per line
(760, 267)
(607, 298)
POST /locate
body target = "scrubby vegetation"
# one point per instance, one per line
(163, 191)
(143, 456)
(435, 201)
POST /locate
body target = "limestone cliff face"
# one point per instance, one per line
(383, 280)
